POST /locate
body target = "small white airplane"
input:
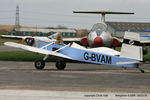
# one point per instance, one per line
(99, 35)
(130, 55)
(30, 40)
(33, 40)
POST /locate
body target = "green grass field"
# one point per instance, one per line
(22, 56)
(147, 56)
(30, 56)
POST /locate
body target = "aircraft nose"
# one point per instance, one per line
(98, 41)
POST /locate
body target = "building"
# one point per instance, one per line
(44, 32)
(118, 28)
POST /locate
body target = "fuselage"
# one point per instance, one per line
(99, 36)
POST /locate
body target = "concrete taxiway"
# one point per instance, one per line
(76, 77)
(21, 81)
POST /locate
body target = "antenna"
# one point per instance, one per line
(103, 13)
(17, 25)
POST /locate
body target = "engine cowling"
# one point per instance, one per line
(30, 41)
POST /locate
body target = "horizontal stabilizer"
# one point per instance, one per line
(102, 12)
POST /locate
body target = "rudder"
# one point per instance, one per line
(131, 46)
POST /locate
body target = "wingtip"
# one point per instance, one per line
(7, 43)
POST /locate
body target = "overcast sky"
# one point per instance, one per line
(51, 13)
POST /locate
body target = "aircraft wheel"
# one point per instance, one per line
(39, 64)
(60, 64)
(145, 50)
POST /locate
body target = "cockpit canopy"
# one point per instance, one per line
(99, 28)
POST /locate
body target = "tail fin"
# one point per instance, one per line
(131, 46)
(53, 36)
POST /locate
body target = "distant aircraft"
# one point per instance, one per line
(99, 35)
(130, 55)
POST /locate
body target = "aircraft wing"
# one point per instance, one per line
(72, 39)
(103, 50)
(24, 37)
(144, 41)
(35, 49)
(12, 36)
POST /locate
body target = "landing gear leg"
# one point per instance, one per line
(142, 71)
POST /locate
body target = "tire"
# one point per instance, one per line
(60, 64)
(145, 50)
(39, 64)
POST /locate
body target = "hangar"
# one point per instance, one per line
(44, 32)
(118, 28)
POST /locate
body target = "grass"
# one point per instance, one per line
(4, 33)
(30, 56)
(147, 56)
(22, 56)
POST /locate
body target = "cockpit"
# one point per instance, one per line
(99, 28)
